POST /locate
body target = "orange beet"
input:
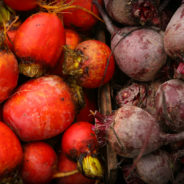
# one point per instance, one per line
(8, 73)
(41, 108)
(39, 163)
(11, 153)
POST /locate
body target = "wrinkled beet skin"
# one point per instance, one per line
(39, 163)
(140, 54)
(9, 74)
(11, 153)
(174, 35)
(66, 165)
(96, 56)
(29, 44)
(155, 168)
(41, 108)
(132, 125)
(171, 112)
(79, 139)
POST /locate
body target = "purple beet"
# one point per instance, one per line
(131, 130)
(170, 105)
(136, 12)
(158, 167)
(139, 52)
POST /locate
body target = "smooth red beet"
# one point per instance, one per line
(139, 52)
(38, 45)
(11, 153)
(9, 74)
(66, 165)
(79, 139)
(91, 63)
(39, 163)
(79, 19)
(41, 108)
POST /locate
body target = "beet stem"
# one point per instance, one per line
(170, 138)
(110, 27)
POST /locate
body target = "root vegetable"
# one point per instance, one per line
(41, 108)
(39, 163)
(170, 105)
(91, 63)
(139, 52)
(132, 130)
(11, 153)
(9, 74)
(37, 54)
(133, 12)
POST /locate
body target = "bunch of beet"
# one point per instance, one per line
(54, 64)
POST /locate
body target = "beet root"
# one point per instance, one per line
(139, 52)
(170, 104)
(132, 130)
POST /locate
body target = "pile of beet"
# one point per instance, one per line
(60, 61)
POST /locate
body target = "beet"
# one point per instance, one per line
(139, 52)
(35, 53)
(91, 63)
(40, 108)
(79, 139)
(133, 12)
(131, 129)
(9, 74)
(174, 36)
(11, 153)
(170, 104)
(39, 163)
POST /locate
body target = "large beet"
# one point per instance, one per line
(170, 104)
(139, 52)
(41, 108)
(131, 130)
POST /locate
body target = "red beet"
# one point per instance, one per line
(170, 104)
(79, 19)
(10, 38)
(11, 153)
(79, 139)
(9, 74)
(32, 49)
(91, 64)
(132, 129)
(139, 52)
(66, 165)
(133, 12)
(39, 163)
(21, 4)
(41, 108)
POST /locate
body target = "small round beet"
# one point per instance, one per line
(39, 163)
(79, 139)
(11, 153)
